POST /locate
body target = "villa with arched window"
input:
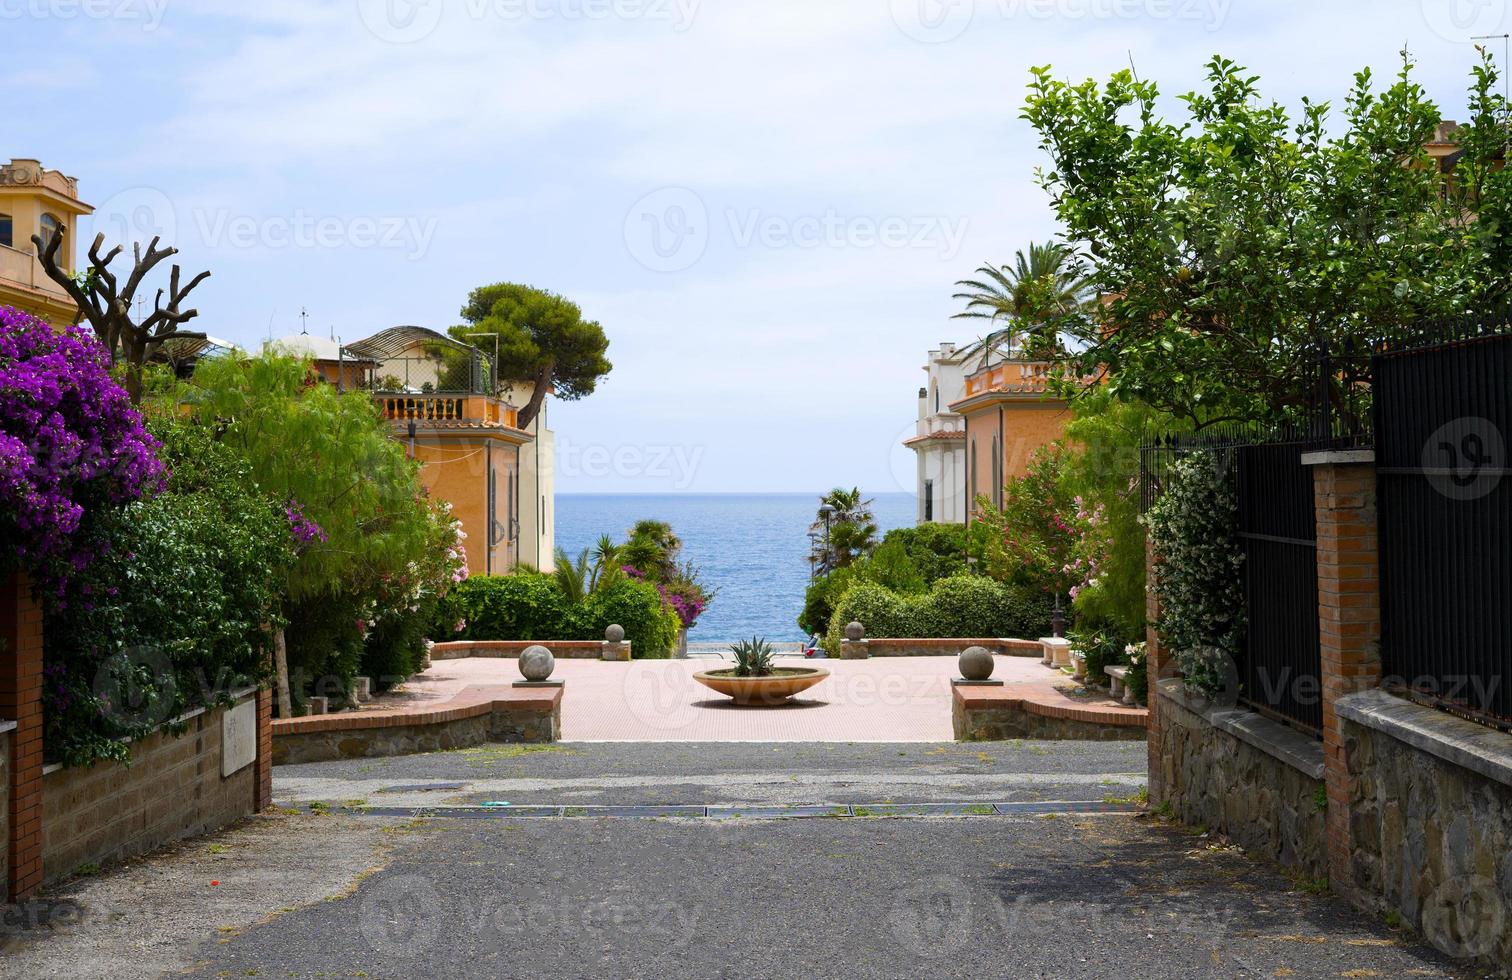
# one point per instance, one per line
(37, 201)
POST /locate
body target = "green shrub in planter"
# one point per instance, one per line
(532, 606)
(959, 606)
(523, 606)
(650, 624)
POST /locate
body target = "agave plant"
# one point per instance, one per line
(753, 658)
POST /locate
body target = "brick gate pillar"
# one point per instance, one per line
(1154, 661)
(21, 702)
(1349, 620)
(262, 777)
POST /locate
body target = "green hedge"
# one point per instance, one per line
(531, 606)
(962, 605)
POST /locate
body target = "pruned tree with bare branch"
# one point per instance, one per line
(106, 303)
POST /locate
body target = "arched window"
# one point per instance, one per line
(6, 234)
(49, 226)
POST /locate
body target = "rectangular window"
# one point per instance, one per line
(6, 232)
(928, 501)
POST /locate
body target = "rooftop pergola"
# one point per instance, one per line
(417, 356)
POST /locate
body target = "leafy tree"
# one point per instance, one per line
(1031, 296)
(1238, 247)
(368, 540)
(1103, 476)
(542, 338)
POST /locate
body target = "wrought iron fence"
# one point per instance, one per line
(1443, 420)
(1280, 667)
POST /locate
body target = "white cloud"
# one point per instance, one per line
(526, 141)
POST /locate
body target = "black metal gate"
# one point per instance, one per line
(1443, 418)
(1281, 670)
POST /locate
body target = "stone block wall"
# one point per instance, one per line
(1006, 724)
(1417, 804)
(1431, 838)
(1241, 781)
(477, 716)
(172, 789)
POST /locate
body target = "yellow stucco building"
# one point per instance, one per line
(35, 201)
(1009, 413)
(438, 394)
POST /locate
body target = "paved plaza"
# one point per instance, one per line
(883, 699)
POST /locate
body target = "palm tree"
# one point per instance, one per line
(1046, 284)
(572, 576)
(844, 531)
(653, 549)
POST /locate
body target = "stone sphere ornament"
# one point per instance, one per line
(854, 631)
(537, 663)
(615, 634)
(976, 663)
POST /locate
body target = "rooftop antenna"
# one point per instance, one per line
(304, 322)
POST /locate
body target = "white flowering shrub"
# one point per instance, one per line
(1194, 526)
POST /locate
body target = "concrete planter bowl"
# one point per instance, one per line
(768, 691)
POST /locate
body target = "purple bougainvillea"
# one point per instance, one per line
(69, 441)
(305, 531)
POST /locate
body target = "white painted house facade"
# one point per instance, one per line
(939, 442)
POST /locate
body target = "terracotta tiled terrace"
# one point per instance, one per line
(883, 699)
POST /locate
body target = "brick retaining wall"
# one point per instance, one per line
(6, 733)
(948, 647)
(562, 649)
(991, 713)
(479, 714)
(172, 789)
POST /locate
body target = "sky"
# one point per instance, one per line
(765, 203)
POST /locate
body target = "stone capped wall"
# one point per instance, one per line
(1211, 776)
(1432, 840)
(172, 789)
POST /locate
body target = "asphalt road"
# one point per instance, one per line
(852, 898)
(639, 774)
(360, 888)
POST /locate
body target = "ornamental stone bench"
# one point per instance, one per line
(1118, 683)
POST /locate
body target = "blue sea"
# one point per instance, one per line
(751, 548)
